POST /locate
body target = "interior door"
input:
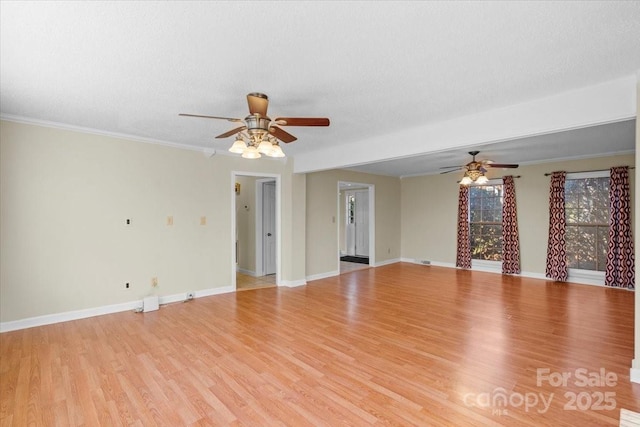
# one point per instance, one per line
(357, 222)
(362, 223)
(269, 227)
(350, 226)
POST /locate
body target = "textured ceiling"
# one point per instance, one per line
(373, 68)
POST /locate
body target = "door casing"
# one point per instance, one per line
(263, 176)
(344, 186)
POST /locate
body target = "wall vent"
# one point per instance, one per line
(425, 262)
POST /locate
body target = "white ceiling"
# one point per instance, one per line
(378, 70)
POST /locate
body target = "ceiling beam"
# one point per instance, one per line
(606, 102)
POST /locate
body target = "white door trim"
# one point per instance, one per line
(372, 219)
(271, 177)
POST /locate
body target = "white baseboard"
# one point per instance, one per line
(293, 283)
(634, 372)
(323, 275)
(574, 277)
(442, 264)
(387, 262)
(433, 263)
(50, 319)
(214, 291)
(531, 275)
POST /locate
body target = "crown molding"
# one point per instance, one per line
(73, 128)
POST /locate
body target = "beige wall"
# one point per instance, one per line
(323, 218)
(429, 209)
(64, 199)
(430, 205)
(294, 263)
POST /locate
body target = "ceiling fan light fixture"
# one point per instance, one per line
(265, 147)
(238, 146)
(256, 137)
(251, 152)
(465, 180)
(276, 151)
(482, 179)
(473, 174)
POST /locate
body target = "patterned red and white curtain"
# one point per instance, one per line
(510, 237)
(620, 258)
(463, 256)
(557, 246)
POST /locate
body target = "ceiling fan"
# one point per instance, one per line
(258, 133)
(475, 170)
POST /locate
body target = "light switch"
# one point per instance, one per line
(203, 220)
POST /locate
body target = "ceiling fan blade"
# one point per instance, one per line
(231, 119)
(231, 132)
(501, 165)
(258, 103)
(302, 121)
(452, 167)
(452, 170)
(282, 135)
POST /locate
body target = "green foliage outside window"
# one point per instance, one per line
(587, 215)
(485, 222)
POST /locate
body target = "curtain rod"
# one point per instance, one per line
(595, 170)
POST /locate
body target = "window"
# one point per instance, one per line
(351, 208)
(587, 214)
(485, 222)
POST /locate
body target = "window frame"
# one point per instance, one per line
(593, 277)
(483, 264)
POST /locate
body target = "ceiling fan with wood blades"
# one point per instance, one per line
(475, 170)
(258, 132)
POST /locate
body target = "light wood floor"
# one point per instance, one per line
(347, 267)
(245, 282)
(401, 344)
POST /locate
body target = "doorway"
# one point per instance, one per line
(256, 222)
(356, 225)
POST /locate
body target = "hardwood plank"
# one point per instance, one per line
(397, 345)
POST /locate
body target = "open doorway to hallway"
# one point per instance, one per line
(256, 221)
(356, 225)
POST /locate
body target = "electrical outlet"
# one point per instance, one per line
(203, 220)
(126, 285)
(190, 296)
(170, 220)
(154, 282)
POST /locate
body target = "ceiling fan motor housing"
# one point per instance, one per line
(257, 124)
